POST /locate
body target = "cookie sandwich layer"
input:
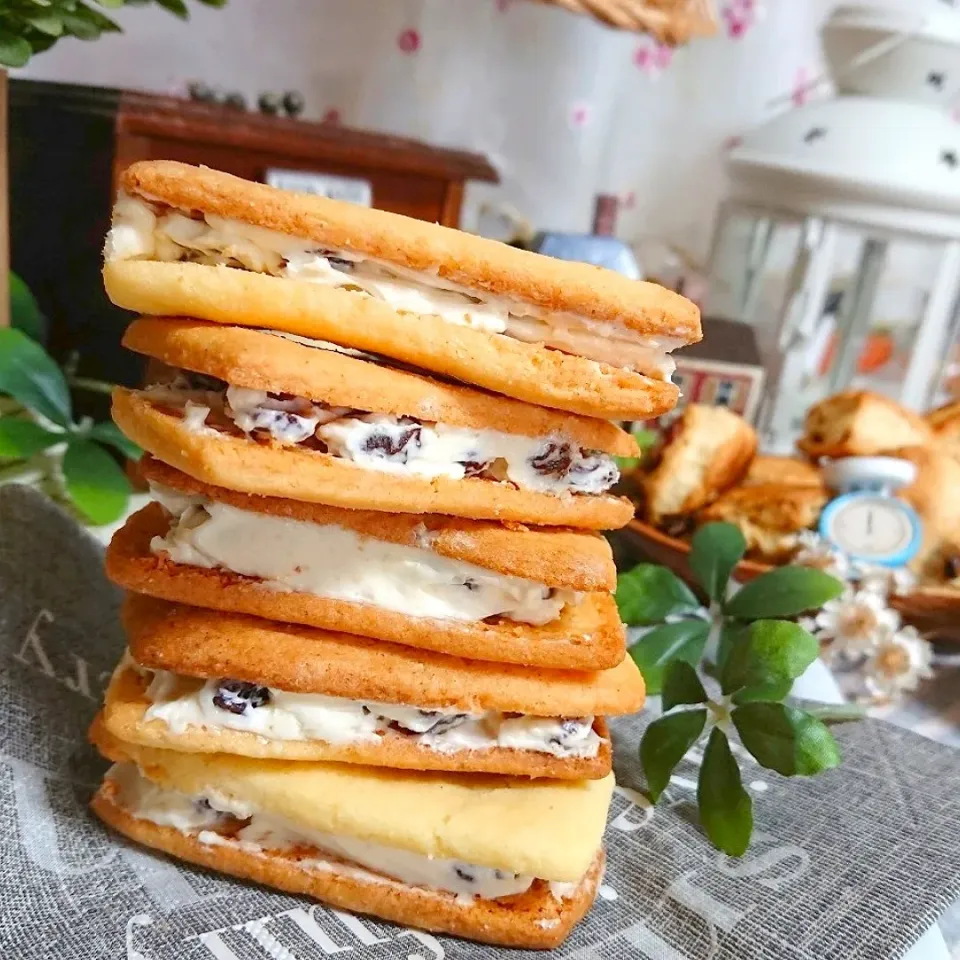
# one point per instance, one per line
(194, 242)
(200, 681)
(458, 586)
(282, 418)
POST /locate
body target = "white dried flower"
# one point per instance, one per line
(817, 553)
(897, 665)
(885, 580)
(855, 622)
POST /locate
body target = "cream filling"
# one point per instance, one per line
(206, 816)
(139, 232)
(401, 445)
(182, 702)
(332, 561)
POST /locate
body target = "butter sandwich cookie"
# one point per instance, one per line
(195, 242)
(532, 596)
(366, 435)
(475, 843)
(200, 681)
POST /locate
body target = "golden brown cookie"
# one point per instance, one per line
(203, 643)
(534, 920)
(307, 475)
(261, 360)
(586, 636)
(707, 451)
(858, 423)
(769, 515)
(578, 308)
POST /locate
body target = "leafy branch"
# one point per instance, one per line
(40, 441)
(749, 657)
(32, 26)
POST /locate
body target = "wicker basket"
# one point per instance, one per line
(670, 21)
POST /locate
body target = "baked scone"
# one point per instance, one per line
(538, 596)
(770, 516)
(945, 422)
(706, 452)
(859, 423)
(935, 495)
(188, 241)
(261, 413)
(505, 861)
(786, 471)
(201, 681)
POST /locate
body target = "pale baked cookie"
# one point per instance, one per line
(769, 515)
(707, 451)
(194, 242)
(208, 682)
(260, 413)
(858, 423)
(489, 592)
(503, 861)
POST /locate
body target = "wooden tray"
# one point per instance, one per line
(934, 611)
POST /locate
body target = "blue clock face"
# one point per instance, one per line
(872, 527)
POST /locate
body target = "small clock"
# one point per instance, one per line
(868, 523)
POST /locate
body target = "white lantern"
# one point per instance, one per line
(840, 240)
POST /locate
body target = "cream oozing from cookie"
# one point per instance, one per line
(215, 819)
(331, 561)
(182, 702)
(392, 444)
(145, 230)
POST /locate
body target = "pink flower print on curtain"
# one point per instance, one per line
(408, 41)
(740, 15)
(652, 57)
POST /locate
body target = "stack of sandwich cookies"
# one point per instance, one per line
(372, 640)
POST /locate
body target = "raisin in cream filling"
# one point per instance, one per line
(392, 444)
(332, 561)
(182, 702)
(142, 230)
(216, 819)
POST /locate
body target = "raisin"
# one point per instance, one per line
(393, 446)
(464, 874)
(473, 468)
(235, 696)
(448, 723)
(471, 584)
(555, 458)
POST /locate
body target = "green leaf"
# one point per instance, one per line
(48, 23)
(98, 488)
(773, 652)
(673, 641)
(770, 692)
(726, 810)
(14, 51)
(716, 549)
(664, 743)
(29, 375)
(731, 633)
(112, 4)
(784, 592)
(785, 739)
(20, 439)
(25, 313)
(681, 685)
(108, 432)
(648, 593)
(214, 3)
(176, 7)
